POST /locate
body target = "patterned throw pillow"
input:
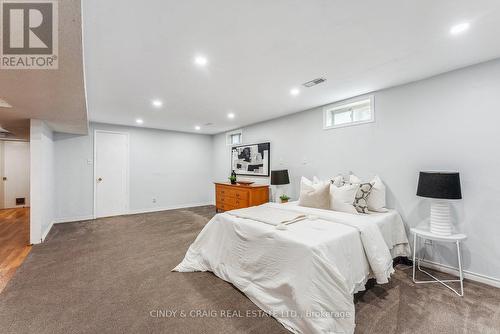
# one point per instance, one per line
(338, 181)
(361, 199)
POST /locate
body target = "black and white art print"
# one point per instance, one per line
(251, 159)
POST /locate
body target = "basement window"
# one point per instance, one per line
(234, 137)
(355, 111)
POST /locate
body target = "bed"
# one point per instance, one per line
(305, 273)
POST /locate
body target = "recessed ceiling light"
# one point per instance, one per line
(4, 104)
(201, 61)
(230, 115)
(2, 130)
(459, 28)
(139, 121)
(157, 103)
(197, 128)
(294, 91)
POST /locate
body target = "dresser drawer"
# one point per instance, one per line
(224, 207)
(229, 196)
(235, 193)
(236, 202)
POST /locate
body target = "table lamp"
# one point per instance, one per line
(279, 177)
(440, 187)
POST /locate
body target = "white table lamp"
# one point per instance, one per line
(441, 187)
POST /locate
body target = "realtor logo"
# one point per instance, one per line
(29, 34)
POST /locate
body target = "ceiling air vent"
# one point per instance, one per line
(314, 82)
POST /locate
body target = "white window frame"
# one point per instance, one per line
(328, 108)
(234, 132)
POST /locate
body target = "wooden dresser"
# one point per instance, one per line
(234, 196)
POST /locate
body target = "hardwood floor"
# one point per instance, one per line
(14, 241)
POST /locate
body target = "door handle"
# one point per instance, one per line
(4, 178)
(99, 179)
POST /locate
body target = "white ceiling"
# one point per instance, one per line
(136, 51)
(56, 96)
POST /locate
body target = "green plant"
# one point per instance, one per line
(284, 197)
(232, 178)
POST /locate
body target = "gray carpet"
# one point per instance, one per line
(113, 275)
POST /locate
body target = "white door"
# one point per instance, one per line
(16, 173)
(2, 176)
(111, 173)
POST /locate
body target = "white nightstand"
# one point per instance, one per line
(427, 235)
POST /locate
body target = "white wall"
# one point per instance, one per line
(42, 180)
(16, 168)
(175, 168)
(448, 122)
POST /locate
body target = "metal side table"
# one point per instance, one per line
(419, 233)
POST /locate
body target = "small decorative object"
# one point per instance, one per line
(284, 198)
(441, 187)
(232, 178)
(245, 183)
(251, 159)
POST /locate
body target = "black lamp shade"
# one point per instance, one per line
(279, 177)
(439, 185)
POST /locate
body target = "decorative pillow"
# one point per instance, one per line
(376, 197)
(354, 179)
(314, 195)
(342, 198)
(361, 198)
(376, 200)
(316, 180)
(338, 181)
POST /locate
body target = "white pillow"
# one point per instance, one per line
(342, 198)
(316, 180)
(354, 179)
(376, 200)
(314, 195)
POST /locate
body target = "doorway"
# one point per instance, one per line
(14, 174)
(14, 207)
(111, 162)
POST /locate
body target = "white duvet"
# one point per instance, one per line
(305, 275)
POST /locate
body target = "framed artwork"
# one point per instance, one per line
(251, 159)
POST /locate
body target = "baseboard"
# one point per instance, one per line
(467, 274)
(47, 230)
(133, 212)
(170, 207)
(72, 219)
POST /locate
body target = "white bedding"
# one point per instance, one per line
(305, 275)
(268, 214)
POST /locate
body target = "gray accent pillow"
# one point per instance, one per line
(361, 199)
